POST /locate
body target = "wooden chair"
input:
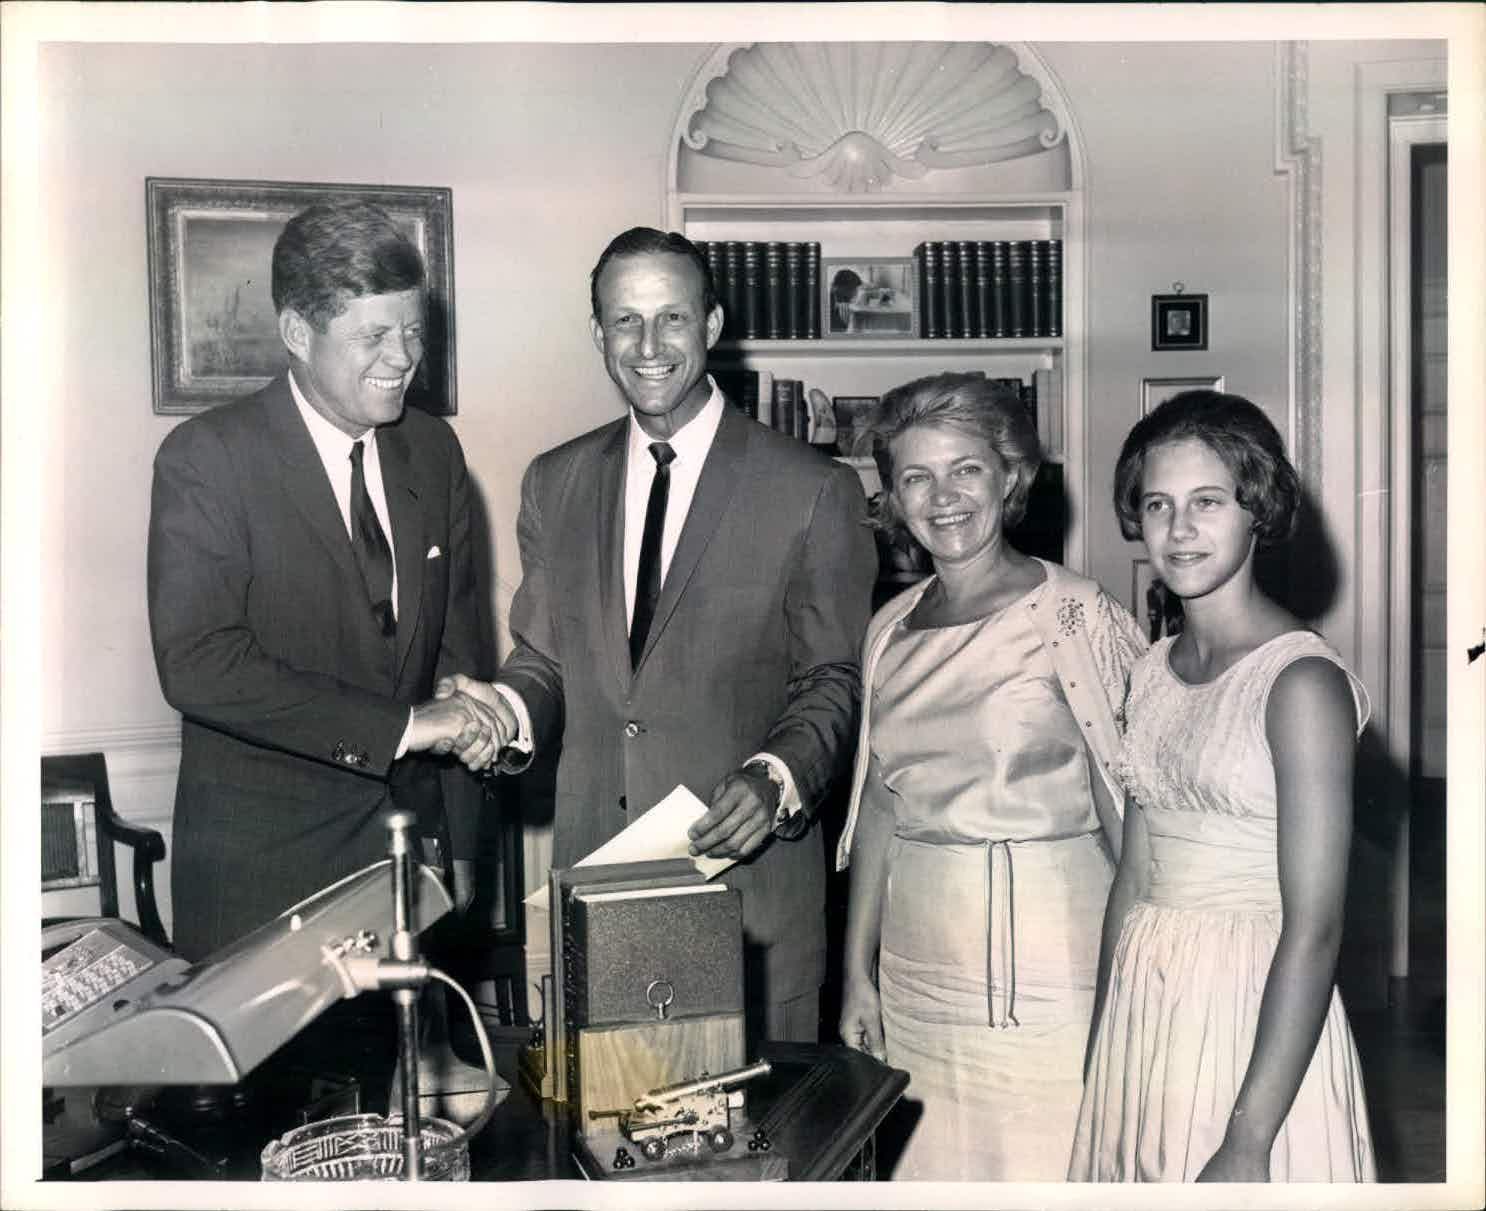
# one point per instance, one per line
(78, 833)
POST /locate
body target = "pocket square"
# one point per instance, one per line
(433, 552)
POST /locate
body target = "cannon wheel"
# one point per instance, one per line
(653, 1149)
(719, 1139)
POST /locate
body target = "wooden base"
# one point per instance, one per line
(686, 1160)
(617, 1064)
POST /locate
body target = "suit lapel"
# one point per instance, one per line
(404, 507)
(305, 481)
(714, 494)
(610, 550)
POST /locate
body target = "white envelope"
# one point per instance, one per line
(659, 833)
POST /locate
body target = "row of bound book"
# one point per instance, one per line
(997, 289)
(781, 403)
(836, 424)
(770, 290)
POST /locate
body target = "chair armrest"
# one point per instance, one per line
(149, 847)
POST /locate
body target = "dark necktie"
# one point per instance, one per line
(373, 555)
(647, 584)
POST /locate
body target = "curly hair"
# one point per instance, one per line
(1240, 434)
(967, 402)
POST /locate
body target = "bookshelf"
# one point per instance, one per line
(791, 170)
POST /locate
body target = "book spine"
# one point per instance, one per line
(783, 419)
(732, 293)
(933, 315)
(949, 287)
(969, 315)
(794, 291)
(1016, 280)
(919, 285)
(983, 305)
(1029, 403)
(811, 328)
(1054, 295)
(1000, 289)
(763, 406)
(775, 317)
(1042, 406)
(1036, 287)
(753, 288)
(713, 251)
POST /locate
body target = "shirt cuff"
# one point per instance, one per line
(407, 733)
(789, 798)
(522, 741)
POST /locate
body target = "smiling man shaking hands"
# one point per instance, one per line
(310, 578)
(695, 588)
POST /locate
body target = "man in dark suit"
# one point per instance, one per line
(695, 589)
(310, 577)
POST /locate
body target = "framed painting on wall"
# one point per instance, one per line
(1178, 321)
(214, 333)
(1154, 391)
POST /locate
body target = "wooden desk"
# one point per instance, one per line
(820, 1107)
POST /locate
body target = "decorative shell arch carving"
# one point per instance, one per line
(860, 114)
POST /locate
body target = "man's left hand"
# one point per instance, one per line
(740, 819)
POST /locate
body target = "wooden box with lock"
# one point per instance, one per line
(652, 989)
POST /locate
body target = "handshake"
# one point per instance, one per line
(464, 717)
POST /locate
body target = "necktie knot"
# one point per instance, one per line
(662, 453)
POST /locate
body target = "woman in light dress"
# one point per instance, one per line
(1221, 1051)
(979, 860)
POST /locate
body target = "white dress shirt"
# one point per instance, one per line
(691, 444)
(334, 449)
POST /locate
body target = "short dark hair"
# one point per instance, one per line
(1240, 434)
(964, 401)
(641, 241)
(333, 252)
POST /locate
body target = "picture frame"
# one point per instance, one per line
(1156, 390)
(1158, 611)
(1179, 321)
(851, 415)
(868, 298)
(213, 328)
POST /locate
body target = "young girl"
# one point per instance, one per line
(1220, 1050)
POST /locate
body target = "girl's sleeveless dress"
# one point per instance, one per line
(1178, 1026)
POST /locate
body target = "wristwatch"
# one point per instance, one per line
(776, 780)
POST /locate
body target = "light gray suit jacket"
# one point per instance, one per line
(755, 646)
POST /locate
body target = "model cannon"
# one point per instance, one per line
(699, 1108)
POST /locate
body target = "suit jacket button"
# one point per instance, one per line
(631, 729)
(623, 804)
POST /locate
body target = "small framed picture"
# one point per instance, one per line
(1157, 390)
(851, 414)
(1178, 321)
(868, 297)
(1156, 608)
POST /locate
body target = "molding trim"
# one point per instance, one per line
(862, 115)
(1298, 156)
(124, 737)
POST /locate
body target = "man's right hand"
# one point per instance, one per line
(462, 724)
(502, 720)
